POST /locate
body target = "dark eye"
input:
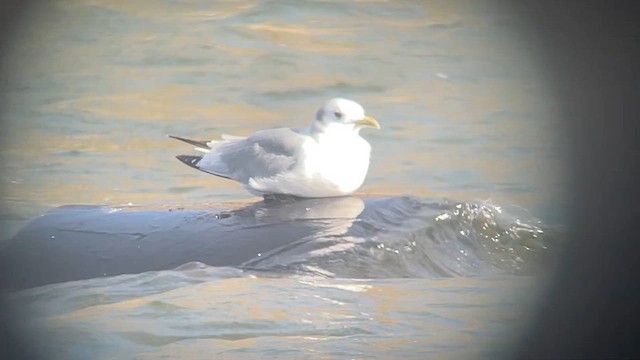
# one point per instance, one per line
(337, 114)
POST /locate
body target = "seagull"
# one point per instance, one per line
(326, 159)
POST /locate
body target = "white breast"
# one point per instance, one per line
(343, 162)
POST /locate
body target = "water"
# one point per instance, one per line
(199, 312)
(91, 88)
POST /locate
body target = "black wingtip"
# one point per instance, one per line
(190, 160)
(200, 144)
(193, 160)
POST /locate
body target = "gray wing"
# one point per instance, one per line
(264, 154)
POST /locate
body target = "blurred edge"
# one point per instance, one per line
(590, 50)
(13, 15)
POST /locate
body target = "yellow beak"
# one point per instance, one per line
(368, 121)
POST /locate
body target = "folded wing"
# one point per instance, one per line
(264, 154)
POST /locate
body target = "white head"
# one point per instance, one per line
(340, 114)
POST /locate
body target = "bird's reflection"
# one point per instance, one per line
(283, 209)
(314, 227)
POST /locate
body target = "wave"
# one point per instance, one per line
(411, 237)
(335, 237)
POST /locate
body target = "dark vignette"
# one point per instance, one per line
(13, 15)
(589, 49)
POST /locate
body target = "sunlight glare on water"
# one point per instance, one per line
(94, 87)
(283, 318)
(91, 88)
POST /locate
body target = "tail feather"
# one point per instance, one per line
(232, 137)
(200, 144)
